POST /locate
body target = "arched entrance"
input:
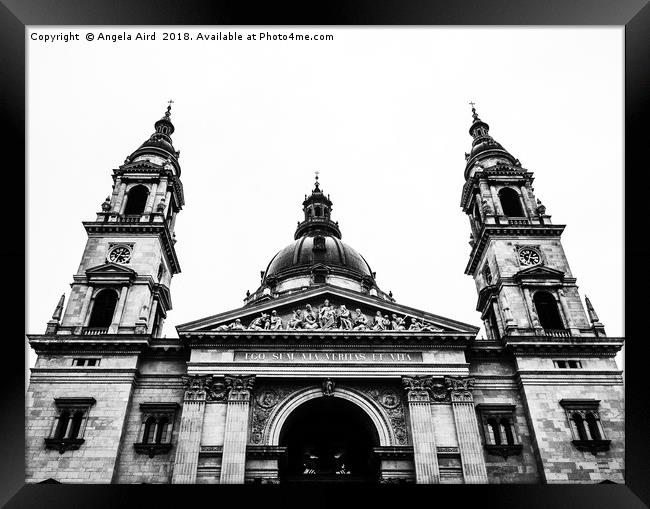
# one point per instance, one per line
(329, 439)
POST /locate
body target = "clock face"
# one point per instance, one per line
(119, 254)
(529, 257)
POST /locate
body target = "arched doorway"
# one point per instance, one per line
(329, 439)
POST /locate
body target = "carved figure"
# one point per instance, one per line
(295, 322)
(386, 322)
(541, 209)
(360, 321)
(275, 322)
(309, 318)
(237, 325)
(326, 316)
(378, 322)
(345, 318)
(106, 206)
(328, 387)
(397, 323)
(260, 323)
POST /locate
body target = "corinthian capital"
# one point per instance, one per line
(460, 389)
(239, 387)
(417, 388)
(196, 386)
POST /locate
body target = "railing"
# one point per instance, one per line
(518, 221)
(135, 218)
(557, 333)
(95, 331)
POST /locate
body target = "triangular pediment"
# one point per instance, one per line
(538, 272)
(111, 271)
(292, 311)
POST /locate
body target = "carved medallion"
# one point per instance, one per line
(267, 398)
(389, 399)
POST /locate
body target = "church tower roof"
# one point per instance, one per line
(484, 146)
(160, 143)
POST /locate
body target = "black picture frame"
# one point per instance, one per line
(634, 14)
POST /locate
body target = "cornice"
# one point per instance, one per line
(108, 343)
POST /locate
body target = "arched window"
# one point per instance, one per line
(148, 437)
(477, 213)
(75, 427)
(495, 432)
(62, 425)
(319, 212)
(580, 426)
(547, 310)
(309, 212)
(136, 200)
(163, 431)
(103, 309)
(510, 202)
(507, 428)
(593, 427)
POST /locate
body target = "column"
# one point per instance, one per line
(526, 198)
(567, 313)
(82, 318)
(150, 199)
(469, 441)
(120, 198)
(425, 455)
(534, 319)
(233, 459)
(497, 202)
(189, 435)
(119, 310)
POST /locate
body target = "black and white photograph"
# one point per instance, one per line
(307, 255)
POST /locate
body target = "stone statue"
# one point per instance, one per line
(275, 322)
(397, 323)
(237, 325)
(378, 322)
(295, 322)
(309, 319)
(160, 208)
(416, 325)
(541, 209)
(326, 316)
(260, 323)
(486, 207)
(360, 321)
(106, 206)
(345, 318)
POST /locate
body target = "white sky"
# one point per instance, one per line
(382, 113)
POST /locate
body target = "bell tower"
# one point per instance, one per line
(122, 284)
(523, 279)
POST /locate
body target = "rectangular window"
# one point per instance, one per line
(583, 419)
(70, 423)
(85, 361)
(567, 364)
(156, 429)
(499, 430)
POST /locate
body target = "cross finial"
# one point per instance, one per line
(316, 173)
(474, 114)
(170, 102)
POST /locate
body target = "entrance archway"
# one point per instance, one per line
(329, 439)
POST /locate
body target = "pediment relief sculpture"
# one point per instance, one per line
(334, 318)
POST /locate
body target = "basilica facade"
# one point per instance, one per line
(322, 376)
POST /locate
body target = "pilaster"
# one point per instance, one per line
(425, 454)
(189, 436)
(467, 430)
(233, 461)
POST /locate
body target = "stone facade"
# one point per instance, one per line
(318, 346)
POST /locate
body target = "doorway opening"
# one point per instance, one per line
(329, 439)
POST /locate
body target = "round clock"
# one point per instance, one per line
(119, 254)
(529, 257)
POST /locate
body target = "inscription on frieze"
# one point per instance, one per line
(328, 357)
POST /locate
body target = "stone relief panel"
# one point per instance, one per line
(331, 316)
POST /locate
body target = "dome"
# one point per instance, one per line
(315, 249)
